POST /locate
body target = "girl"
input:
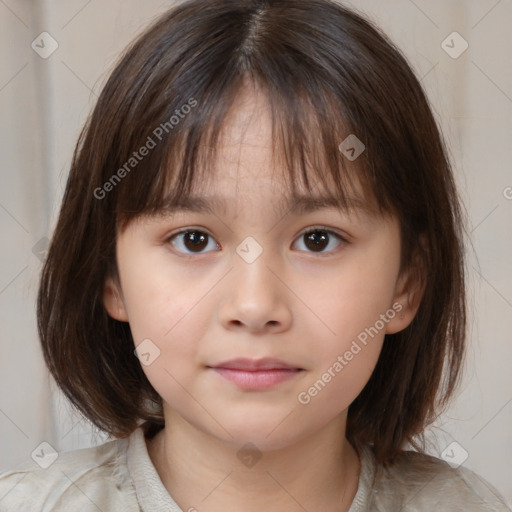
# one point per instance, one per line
(256, 281)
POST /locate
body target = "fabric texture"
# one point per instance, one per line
(119, 476)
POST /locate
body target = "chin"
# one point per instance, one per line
(266, 434)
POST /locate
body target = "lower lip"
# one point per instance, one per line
(260, 379)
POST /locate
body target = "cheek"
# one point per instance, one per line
(168, 316)
(175, 330)
(363, 288)
(358, 296)
(354, 327)
(341, 372)
(159, 297)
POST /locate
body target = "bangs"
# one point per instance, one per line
(308, 135)
(336, 119)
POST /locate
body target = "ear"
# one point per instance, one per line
(409, 291)
(113, 300)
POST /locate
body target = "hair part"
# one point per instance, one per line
(326, 73)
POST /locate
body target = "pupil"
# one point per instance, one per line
(195, 240)
(317, 240)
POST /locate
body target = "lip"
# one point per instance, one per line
(257, 379)
(248, 365)
(256, 374)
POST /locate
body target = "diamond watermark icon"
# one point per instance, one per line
(45, 455)
(454, 454)
(352, 147)
(44, 45)
(249, 250)
(40, 249)
(249, 454)
(454, 45)
(147, 352)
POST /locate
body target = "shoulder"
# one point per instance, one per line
(417, 482)
(90, 479)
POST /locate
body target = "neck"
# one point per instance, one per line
(204, 473)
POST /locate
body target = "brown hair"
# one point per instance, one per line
(327, 73)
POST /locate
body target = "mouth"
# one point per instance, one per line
(256, 374)
(246, 364)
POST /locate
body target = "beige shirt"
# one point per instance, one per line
(119, 476)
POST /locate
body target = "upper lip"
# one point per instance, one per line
(255, 364)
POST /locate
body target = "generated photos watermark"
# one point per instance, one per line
(151, 143)
(363, 338)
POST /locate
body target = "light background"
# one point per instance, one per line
(44, 103)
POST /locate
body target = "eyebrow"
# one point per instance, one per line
(300, 204)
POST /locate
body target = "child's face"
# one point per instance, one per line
(308, 308)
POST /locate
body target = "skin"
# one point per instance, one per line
(291, 303)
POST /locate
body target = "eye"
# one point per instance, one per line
(319, 238)
(192, 240)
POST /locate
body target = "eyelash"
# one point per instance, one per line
(313, 229)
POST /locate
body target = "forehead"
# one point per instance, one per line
(247, 175)
(251, 159)
(247, 163)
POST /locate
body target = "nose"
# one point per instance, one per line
(256, 297)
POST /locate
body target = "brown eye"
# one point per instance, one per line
(318, 240)
(192, 241)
